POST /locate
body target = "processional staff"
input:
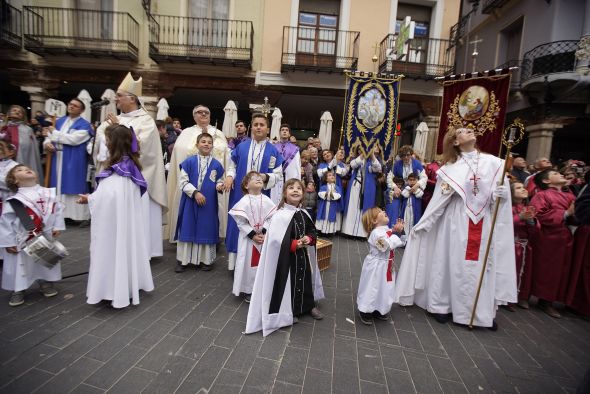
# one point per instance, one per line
(512, 140)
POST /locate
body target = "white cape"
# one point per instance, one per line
(434, 273)
(258, 313)
(249, 212)
(119, 258)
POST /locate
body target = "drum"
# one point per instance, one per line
(45, 251)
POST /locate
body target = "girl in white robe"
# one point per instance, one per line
(119, 256)
(329, 218)
(252, 214)
(20, 270)
(377, 282)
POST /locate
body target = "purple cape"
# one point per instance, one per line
(126, 167)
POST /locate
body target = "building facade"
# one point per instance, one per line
(549, 41)
(207, 52)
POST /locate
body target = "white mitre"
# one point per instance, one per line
(130, 85)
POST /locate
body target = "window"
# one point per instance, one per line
(317, 33)
(208, 25)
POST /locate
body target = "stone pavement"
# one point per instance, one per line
(186, 337)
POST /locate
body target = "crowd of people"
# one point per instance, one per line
(269, 201)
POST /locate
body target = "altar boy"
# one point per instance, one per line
(197, 231)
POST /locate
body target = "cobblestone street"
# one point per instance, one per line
(186, 337)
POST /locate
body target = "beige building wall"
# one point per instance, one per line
(277, 13)
(371, 18)
(450, 16)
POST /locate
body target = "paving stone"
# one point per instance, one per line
(161, 353)
(301, 334)
(219, 318)
(393, 357)
(68, 355)
(321, 354)
(116, 367)
(244, 354)
(274, 345)
(317, 381)
(134, 381)
(428, 339)
(228, 382)
(386, 333)
(171, 375)
(75, 331)
(452, 387)
(69, 378)
(114, 344)
(198, 343)
(230, 334)
(422, 375)
(286, 388)
(372, 388)
(293, 366)
(409, 340)
(201, 377)
(153, 334)
(370, 366)
(443, 368)
(26, 361)
(399, 381)
(261, 376)
(497, 380)
(28, 382)
(86, 389)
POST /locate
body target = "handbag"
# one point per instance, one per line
(45, 251)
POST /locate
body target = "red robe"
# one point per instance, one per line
(578, 296)
(431, 170)
(552, 249)
(523, 238)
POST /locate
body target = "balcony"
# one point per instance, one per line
(320, 50)
(11, 31)
(425, 58)
(490, 5)
(199, 40)
(550, 58)
(514, 74)
(459, 29)
(78, 32)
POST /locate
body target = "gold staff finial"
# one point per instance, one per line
(375, 57)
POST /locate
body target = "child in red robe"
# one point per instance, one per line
(524, 229)
(552, 251)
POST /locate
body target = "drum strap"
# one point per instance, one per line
(21, 214)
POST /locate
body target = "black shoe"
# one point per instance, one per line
(378, 315)
(84, 223)
(205, 267)
(246, 298)
(494, 326)
(179, 267)
(366, 318)
(442, 318)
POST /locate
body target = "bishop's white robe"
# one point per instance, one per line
(154, 202)
(443, 258)
(185, 146)
(252, 215)
(119, 258)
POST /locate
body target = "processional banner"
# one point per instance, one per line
(370, 114)
(477, 103)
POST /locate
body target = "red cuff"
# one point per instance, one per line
(311, 240)
(293, 246)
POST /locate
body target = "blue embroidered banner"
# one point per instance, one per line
(370, 114)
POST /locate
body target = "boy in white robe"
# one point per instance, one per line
(329, 218)
(377, 282)
(252, 215)
(20, 270)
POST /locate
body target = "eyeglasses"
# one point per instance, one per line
(123, 95)
(203, 113)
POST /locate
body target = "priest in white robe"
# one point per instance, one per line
(185, 146)
(442, 262)
(154, 202)
(66, 142)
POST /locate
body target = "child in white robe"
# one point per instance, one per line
(377, 282)
(329, 218)
(412, 205)
(119, 256)
(6, 164)
(20, 270)
(252, 213)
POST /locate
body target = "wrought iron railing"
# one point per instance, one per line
(424, 57)
(201, 40)
(552, 57)
(459, 29)
(51, 30)
(11, 30)
(326, 50)
(489, 5)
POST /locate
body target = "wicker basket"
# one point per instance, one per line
(324, 253)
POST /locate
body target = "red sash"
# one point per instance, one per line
(390, 261)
